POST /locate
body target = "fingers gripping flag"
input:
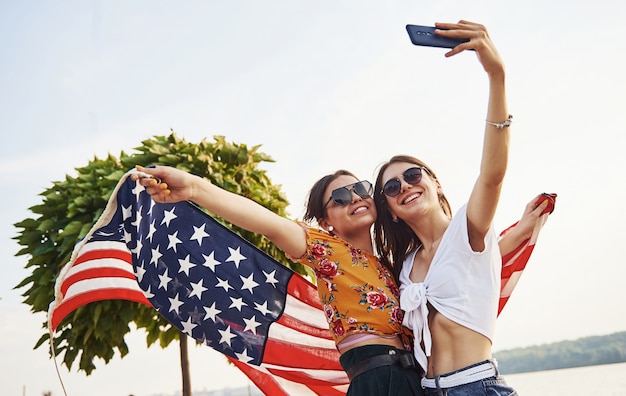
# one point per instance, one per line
(211, 284)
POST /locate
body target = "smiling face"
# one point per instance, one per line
(404, 203)
(357, 215)
(409, 189)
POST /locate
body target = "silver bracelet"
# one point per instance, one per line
(501, 125)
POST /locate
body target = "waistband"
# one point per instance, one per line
(475, 372)
(360, 337)
(386, 356)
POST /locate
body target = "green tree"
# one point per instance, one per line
(71, 207)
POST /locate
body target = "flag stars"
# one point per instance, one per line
(156, 255)
(243, 356)
(127, 212)
(235, 256)
(271, 278)
(164, 280)
(140, 272)
(168, 216)
(137, 248)
(188, 326)
(210, 261)
(138, 189)
(226, 336)
(151, 232)
(137, 221)
(237, 303)
(185, 265)
(197, 289)
(224, 284)
(175, 303)
(173, 241)
(262, 308)
(248, 283)
(105, 234)
(251, 324)
(198, 234)
(148, 293)
(152, 203)
(211, 312)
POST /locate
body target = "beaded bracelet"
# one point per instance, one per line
(501, 125)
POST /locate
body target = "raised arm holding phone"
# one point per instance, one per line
(450, 265)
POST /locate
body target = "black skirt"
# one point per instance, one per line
(390, 380)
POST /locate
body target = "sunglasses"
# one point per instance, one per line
(342, 196)
(411, 176)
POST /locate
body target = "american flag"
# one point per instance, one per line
(211, 284)
(217, 288)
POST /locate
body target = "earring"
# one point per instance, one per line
(394, 218)
(330, 230)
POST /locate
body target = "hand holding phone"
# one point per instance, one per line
(426, 36)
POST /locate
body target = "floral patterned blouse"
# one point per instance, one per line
(358, 293)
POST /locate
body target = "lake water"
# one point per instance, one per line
(604, 380)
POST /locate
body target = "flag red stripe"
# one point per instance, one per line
(70, 304)
(304, 291)
(502, 303)
(304, 328)
(262, 380)
(328, 391)
(519, 263)
(301, 377)
(103, 254)
(287, 354)
(274, 381)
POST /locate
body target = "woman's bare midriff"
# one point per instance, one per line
(454, 346)
(395, 342)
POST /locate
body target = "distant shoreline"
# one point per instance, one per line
(586, 351)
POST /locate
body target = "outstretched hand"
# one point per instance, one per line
(532, 214)
(166, 184)
(479, 41)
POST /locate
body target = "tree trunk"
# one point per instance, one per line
(184, 364)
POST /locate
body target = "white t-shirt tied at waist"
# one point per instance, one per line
(462, 285)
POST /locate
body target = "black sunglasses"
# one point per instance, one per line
(342, 196)
(411, 176)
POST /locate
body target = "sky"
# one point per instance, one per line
(320, 86)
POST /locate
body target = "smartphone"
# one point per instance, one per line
(425, 35)
(551, 201)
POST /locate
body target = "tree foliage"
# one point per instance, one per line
(69, 209)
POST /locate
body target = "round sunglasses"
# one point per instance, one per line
(411, 176)
(342, 196)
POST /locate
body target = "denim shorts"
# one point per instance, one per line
(490, 386)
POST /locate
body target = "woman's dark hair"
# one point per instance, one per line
(315, 209)
(394, 240)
